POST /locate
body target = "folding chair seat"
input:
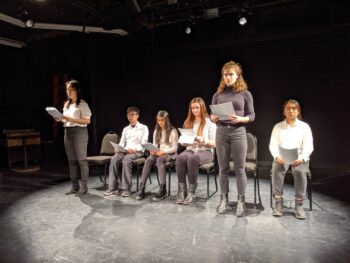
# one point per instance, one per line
(106, 154)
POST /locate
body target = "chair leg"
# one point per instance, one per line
(105, 176)
(258, 186)
(208, 185)
(137, 178)
(169, 181)
(254, 190)
(309, 189)
(271, 191)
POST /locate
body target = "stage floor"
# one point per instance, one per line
(38, 223)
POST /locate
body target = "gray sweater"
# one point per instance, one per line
(242, 103)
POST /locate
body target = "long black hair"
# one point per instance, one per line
(77, 87)
(168, 127)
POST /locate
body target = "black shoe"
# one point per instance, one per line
(82, 190)
(161, 194)
(72, 191)
(141, 193)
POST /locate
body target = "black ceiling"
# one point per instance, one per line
(135, 18)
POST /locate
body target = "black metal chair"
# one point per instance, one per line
(106, 154)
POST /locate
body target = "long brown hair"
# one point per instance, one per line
(188, 124)
(240, 83)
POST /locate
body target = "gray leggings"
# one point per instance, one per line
(160, 163)
(75, 142)
(278, 173)
(231, 144)
(188, 162)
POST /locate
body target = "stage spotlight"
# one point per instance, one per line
(242, 20)
(188, 30)
(29, 23)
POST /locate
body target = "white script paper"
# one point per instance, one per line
(54, 112)
(187, 136)
(118, 147)
(150, 147)
(288, 155)
(223, 110)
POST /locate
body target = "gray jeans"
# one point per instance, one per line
(160, 163)
(125, 179)
(278, 173)
(75, 142)
(231, 144)
(188, 162)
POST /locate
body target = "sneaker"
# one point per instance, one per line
(110, 192)
(278, 209)
(126, 193)
(299, 211)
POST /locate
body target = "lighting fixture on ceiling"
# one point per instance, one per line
(211, 13)
(29, 23)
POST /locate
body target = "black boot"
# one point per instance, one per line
(191, 197)
(83, 189)
(161, 194)
(240, 206)
(141, 193)
(182, 193)
(223, 205)
(74, 189)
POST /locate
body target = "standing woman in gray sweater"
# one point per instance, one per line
(231, 137)
(76, 117)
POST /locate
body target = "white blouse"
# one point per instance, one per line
(76, 112)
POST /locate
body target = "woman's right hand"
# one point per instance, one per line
(214, 118)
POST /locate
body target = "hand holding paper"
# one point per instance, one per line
(150, 147)
(187, 136)
(223, 110)
(118, 147)
(54, 113)
(288, 155)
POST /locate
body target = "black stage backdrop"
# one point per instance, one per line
(117, 73)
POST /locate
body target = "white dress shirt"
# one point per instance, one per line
(133, 137)
(290, 137)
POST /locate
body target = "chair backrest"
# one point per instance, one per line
(252, 152)
(106, 146)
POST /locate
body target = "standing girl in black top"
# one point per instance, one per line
(76, 117)
(231, 138)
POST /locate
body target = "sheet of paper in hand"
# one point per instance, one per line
(223, 110)
(288, 155)
(54, 112)
(118, 147)
(150, 147)
(187, 136)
